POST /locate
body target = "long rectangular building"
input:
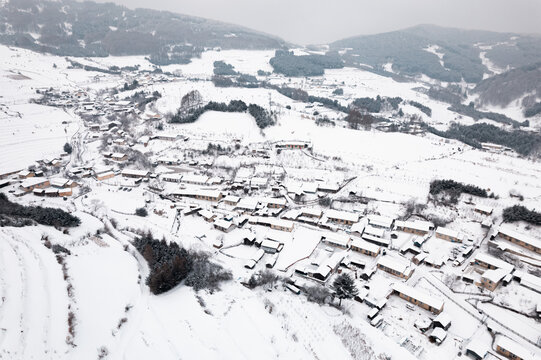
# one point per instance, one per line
(395, 267)
(413, 227)
(515, 237)
(199, 194)
(449, 235)
(337, 240)
(491, 262)
(342, 217)
(418, 298)
(364, 247)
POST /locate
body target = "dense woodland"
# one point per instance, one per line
(533, 110)
(72, 28)
(425, 109)
(521, 213)
(469, 110)
(407, 51)
(288, 64)
(522, 142)
(504, 88)
(170, 264)
(13, 214)
(378, 104)
(449, 94)
(453, 189)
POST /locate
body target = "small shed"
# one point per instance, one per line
(443, 320)
(437, 335)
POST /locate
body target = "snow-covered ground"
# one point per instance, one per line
(94, 303)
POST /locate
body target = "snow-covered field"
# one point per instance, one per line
(94, 303)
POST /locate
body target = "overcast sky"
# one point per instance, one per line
(318, 21)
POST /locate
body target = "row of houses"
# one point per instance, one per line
(192, 179)
(345, 241)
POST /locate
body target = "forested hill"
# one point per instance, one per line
(444, 54)
(71, 28)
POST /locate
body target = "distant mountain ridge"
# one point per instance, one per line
(71, 28)
(445, 54)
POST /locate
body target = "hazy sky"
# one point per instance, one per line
(317, 21)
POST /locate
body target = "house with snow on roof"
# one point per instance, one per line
(224, 225)
(490, 262)
(413, 227)
(34, 183)
(449, 235)
(132, 173)
(364, 247)
(515, 237)
(379, 221)
(337, 240)
(511, 349)
(342, 217)
(396, 267)
(492, 278)
(483, 209)
(418, 297)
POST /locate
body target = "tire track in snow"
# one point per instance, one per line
(14, 301)
(37, 330)
(3, 293)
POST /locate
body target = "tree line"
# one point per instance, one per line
(521, 213)
(376, 105)
(287, 63)
(469, 110)
(522, 142)
(424, 109)
(13, 213)
(454, 189)
(262, 117)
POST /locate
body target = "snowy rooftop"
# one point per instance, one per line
(365, 245)
(33, 182)
(381, 221)
(416, 225)
(342, 215)
(513, 347)
(377, 232)
(508, 231)
(449, 232)
(495, 275)
(419, 295)
(400, 266)
(133, 172)
(491, 260)
(338, 239)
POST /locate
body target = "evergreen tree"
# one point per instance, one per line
(344, 287)
(68, 148)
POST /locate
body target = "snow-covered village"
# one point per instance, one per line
(255, 202)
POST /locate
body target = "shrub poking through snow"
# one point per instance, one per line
(206, 274)
(141, 212)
